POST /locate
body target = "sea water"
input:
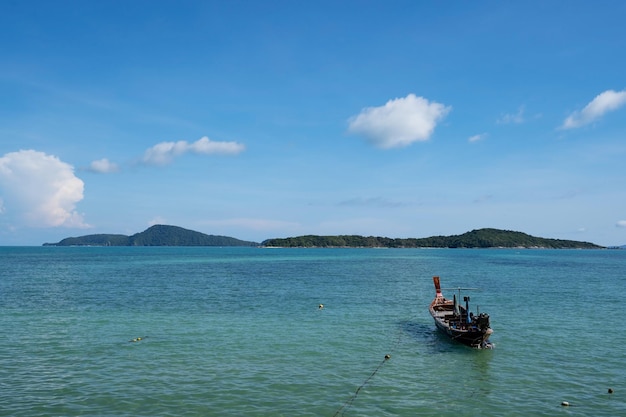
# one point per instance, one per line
(149, 331)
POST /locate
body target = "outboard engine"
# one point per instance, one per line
(482, 321)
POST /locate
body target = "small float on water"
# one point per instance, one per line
(458, 322)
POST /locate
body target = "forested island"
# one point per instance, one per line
(158, 235)
(481, 238)
(163, 235)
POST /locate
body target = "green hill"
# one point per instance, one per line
(162, 235)
(158, 235)
(481, 238)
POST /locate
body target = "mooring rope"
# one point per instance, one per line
(349, 402)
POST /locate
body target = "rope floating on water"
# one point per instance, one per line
(348, 403)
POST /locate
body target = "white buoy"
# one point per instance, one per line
(565, 404)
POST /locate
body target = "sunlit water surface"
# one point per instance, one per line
(239, 332)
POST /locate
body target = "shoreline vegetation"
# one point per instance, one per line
(164, 235)
(481, 238)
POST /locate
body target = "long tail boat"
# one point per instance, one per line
(458, 322)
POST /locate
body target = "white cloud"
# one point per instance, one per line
(103, 166)
(163, 153)
(603, 103)
(399, 122)
(40, 189)
(371, 202)
(157, 220)
(477, 138)
(513, 118)
(253, 224)
(483, 198)
(621, 223)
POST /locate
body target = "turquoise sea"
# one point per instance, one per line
(239, 332)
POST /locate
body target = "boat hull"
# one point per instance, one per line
(472, 338)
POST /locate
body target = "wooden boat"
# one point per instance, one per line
(458, 322)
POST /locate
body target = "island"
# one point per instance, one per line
(157, 235)
(480, 238)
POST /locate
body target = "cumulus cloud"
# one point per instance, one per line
(163, 153)
(603, 103)
(477, 138)
(40, 189)
(103, 166)
(398, 123)
(621, 223)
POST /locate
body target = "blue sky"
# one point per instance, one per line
(282, 118)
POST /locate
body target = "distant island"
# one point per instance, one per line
(163, 235)
(158, 235)
(481, 238)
